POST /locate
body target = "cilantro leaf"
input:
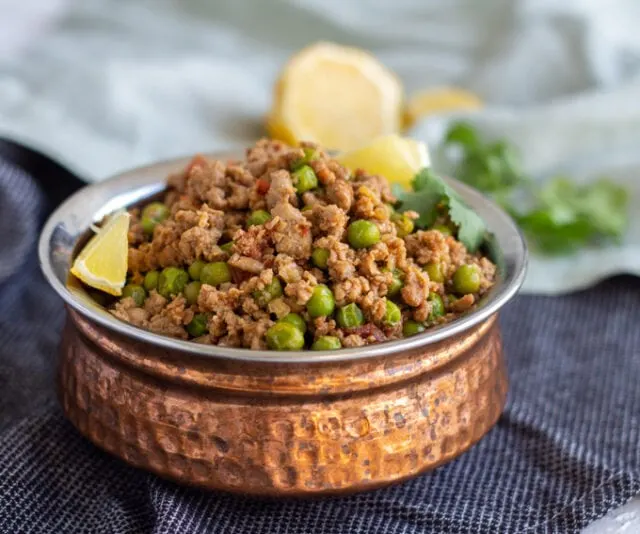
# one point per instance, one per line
(561, 216)
(462, 133)
(568, 216)
(471, 228)
(430, 192)
(489, 167)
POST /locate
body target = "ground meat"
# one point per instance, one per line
(278, 307)
(281, 189)
(127, 310)
(351, 290)
(462, 304)
(136, 234)
(324, 173)
(291, 231)
(252, 242)
(416, 287)
(212, 299)
(161, 324)
(376, 184)
(154, 303)
(246, 264)
(342, 261)
(368, 332)
(141, 259)
(340, 193)
(271, 266)
(288, 269)
(328, 221)
(177, 311)
(353, 340)
(301, 290)
(428, 246)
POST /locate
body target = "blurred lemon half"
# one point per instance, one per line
(336, 96)
(102, 263)
(439, 100)
(396, 158)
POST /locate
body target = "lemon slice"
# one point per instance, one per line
(102, 263)
(440, 100)
(278, 130)
(336, 96)
(396, 158)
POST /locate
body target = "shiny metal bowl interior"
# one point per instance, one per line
(70, 221)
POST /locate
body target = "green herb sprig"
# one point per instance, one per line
(557, 217)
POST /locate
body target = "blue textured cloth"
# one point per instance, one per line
(565, 451)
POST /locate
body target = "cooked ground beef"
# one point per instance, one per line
(270, 240)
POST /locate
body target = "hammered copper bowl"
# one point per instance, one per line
(274, 423)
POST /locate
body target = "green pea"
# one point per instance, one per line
(148, 225)
(136, 292)
(296, 320)
(363, 234)
(326, 343)
(152, 214)
(444, 230)
(437, 306)
(258, 217)
(310, 154)
(396, 283)
(404, 225)
(392, 314)
(349, 316)
(307, 208)
(411, 328)
(321, 303)
(195, 269)
(284, 336)
(215, 273)
(434, 270)
(151, 280)
(171, 281)
(156, 211)
(466, 279)
(192, 291)
(272, 290)
(320, 257)
(304, 179)
(198, 325)
(227, 247)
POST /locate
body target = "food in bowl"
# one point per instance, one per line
(289, 250)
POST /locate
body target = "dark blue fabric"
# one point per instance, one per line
(564, 453)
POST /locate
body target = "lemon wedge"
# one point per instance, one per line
(336, 96)
(440, 100)
(396, 158)
(102, 263)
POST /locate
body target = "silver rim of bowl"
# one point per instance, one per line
(88, 205)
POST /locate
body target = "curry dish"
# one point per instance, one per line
(288, 250)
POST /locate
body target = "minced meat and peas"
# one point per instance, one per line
(288, 250)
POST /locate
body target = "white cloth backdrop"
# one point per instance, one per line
(105, 85)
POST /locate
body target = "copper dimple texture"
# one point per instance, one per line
(282, 429)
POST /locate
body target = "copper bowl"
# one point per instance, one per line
(275, 423)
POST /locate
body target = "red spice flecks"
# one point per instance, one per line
(367, 330)
(262, 186)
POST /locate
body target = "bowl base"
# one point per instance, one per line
(283, 444)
